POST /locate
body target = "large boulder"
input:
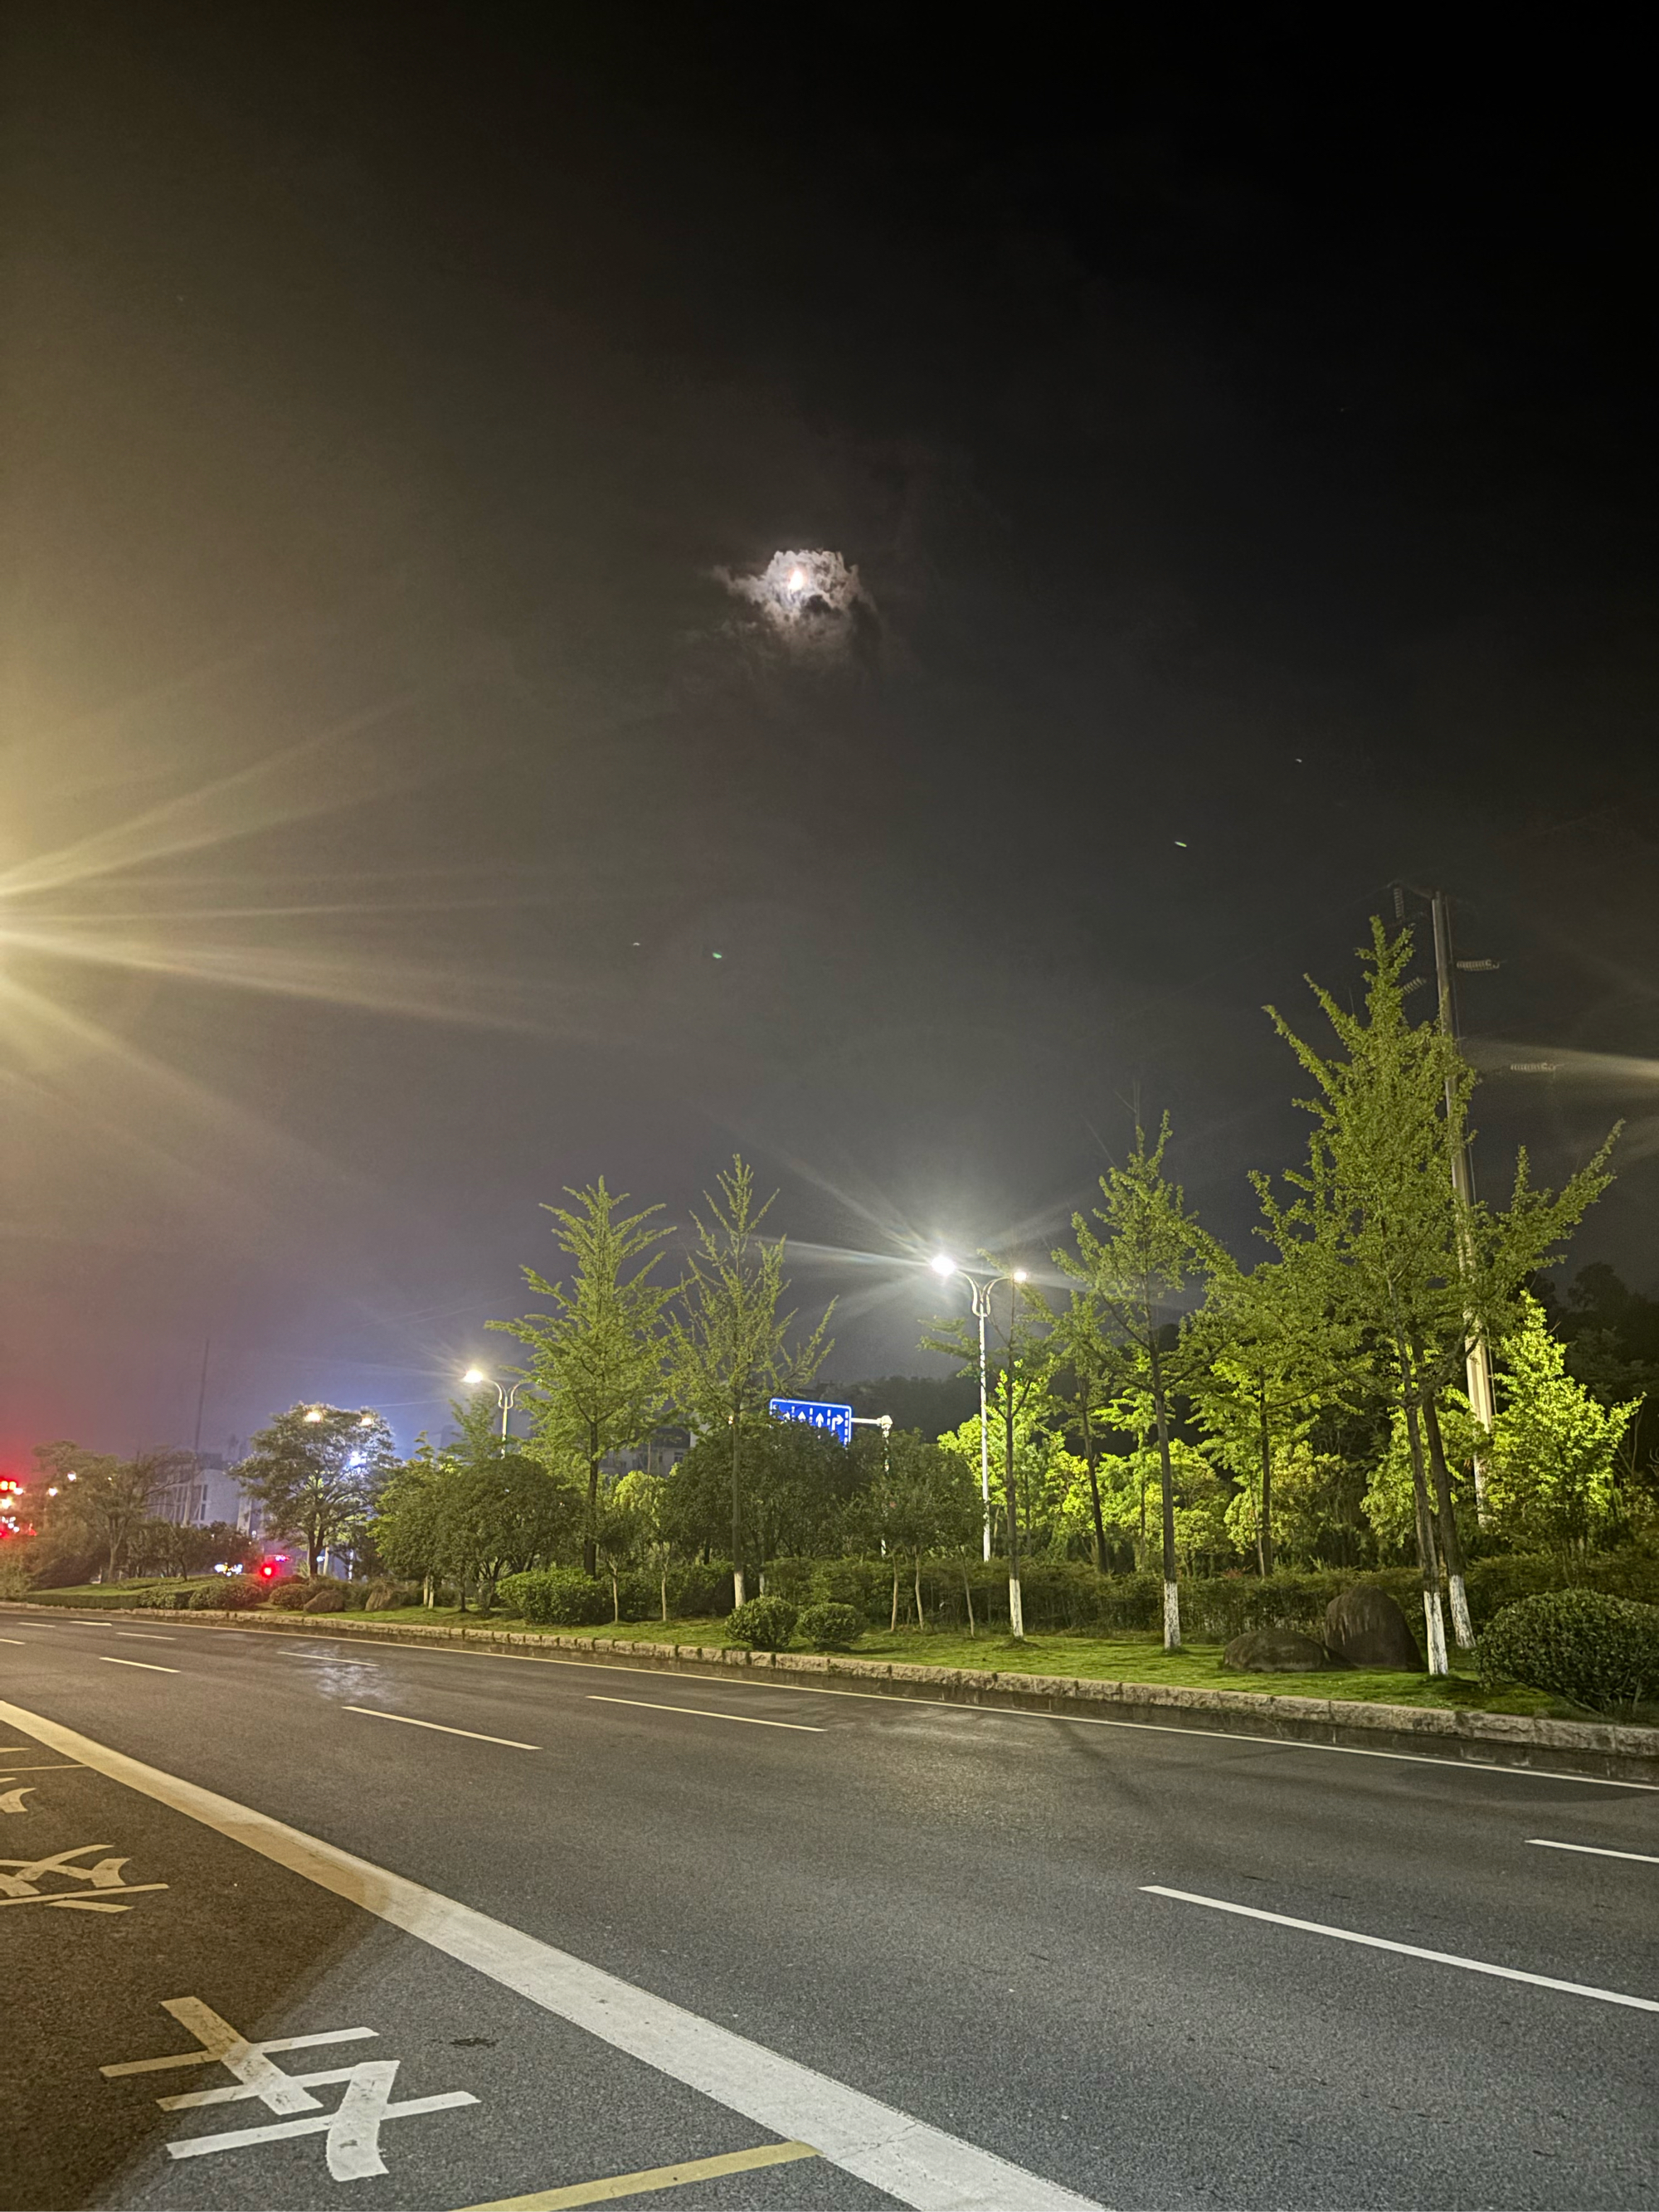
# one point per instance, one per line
(1279, 1651)
(1366, 1625)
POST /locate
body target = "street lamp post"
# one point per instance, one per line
(980, 1289)
(474, 1378)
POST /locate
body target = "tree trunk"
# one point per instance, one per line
(616, 1598)
(1090, 1456)
(1264, 1534)
(1451, 1543)
(1016, 1602)
(736, 1517)
(1166, 1484)
(892, 1626)
(590, 1534)
(664, 1593)
(920, 1618)
(1434, 1622)
(968, 1593)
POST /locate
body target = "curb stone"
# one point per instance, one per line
(1605, 1750)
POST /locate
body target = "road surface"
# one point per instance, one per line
(429, 1928)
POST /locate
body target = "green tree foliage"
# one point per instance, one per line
(316, 1472)
(1551, 1477)
(730, 1349)
(921, 1498)
(498, 1515)
(170, 1547)
(1147, 1254)
(596, 1361)
(796, 1483)
(102, 1504)
(1377, 1223)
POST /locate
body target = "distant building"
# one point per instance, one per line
(662, 1452)
(209, 1492)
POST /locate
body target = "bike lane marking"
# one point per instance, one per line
(920, 2165)
(606, 2191)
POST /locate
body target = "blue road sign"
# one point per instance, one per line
(838, 1419)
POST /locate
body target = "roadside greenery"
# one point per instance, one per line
(1178, 1442)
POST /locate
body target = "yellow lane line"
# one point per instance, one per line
(374, 1713)
(149, 1665)
(656, 2177)
(801, 1728)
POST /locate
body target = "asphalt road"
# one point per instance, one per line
(962, 1914)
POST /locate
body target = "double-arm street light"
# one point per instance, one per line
(474, 1378)
(980, 1288)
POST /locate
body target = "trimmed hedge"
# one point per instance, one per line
(1069, 1596)
(1599, 1651)
(829, 1627)
(559, 1596)
(764, 1624)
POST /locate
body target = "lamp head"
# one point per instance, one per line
(1019, 1274)
(313, 1412)
(474, 1375)
(943, 1265)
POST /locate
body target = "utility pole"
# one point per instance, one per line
(1477, 1367)
(201, 1402)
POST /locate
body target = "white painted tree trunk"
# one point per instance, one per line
(1016, 1608)
(1463, 1626)
(1434, 1622)
(1171, 1617)
(736, 1586)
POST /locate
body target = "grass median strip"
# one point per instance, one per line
(1595, 1851)
(701, 1713)
(374, 1713)
(1407, 1950)
(614, 2185)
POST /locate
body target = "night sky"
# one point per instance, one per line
(1247, 457)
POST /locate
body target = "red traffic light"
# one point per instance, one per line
(269, 1570)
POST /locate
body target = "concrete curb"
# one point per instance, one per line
(1602, 1750)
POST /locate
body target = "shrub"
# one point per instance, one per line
(356, 1597)
(289, 1597)
(764, 1624)
(1598, 1652)
(382, 1596)
(559, 1597)
(330, 1598)
(699, 1592)
(831, 1627)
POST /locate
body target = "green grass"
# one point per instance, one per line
(1123, 1658)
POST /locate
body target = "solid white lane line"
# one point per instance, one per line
(14, 1639)
(374, 1713)
(144, 1636)
(149, 1665)
(801, 1728)
(1409, 1950)
(1595, 1851)
(920, 2165)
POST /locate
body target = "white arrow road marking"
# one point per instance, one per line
(920, 2165)
(12, 1801)
(1410, 1950)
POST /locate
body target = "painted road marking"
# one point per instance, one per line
(144, 1636)
(22, 1640)
(801, 1728)
(374, 1713)
(149, 1665)
(21, 1885)
(11, 1801)
(353, 2128)
(920, 2165)
(1410, 1950)
(1010, 1713)
(656, 2177)
(1596, 1851)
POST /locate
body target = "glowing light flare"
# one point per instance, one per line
(943, 1265)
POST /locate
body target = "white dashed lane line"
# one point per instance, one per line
(697, 1712)
(1408, 1950)
(1595, 1851)
(374, 1713)
(149, 1665)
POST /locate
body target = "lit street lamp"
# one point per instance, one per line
(474, 1378)
(980, 1289)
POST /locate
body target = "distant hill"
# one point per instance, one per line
(931, 1403)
